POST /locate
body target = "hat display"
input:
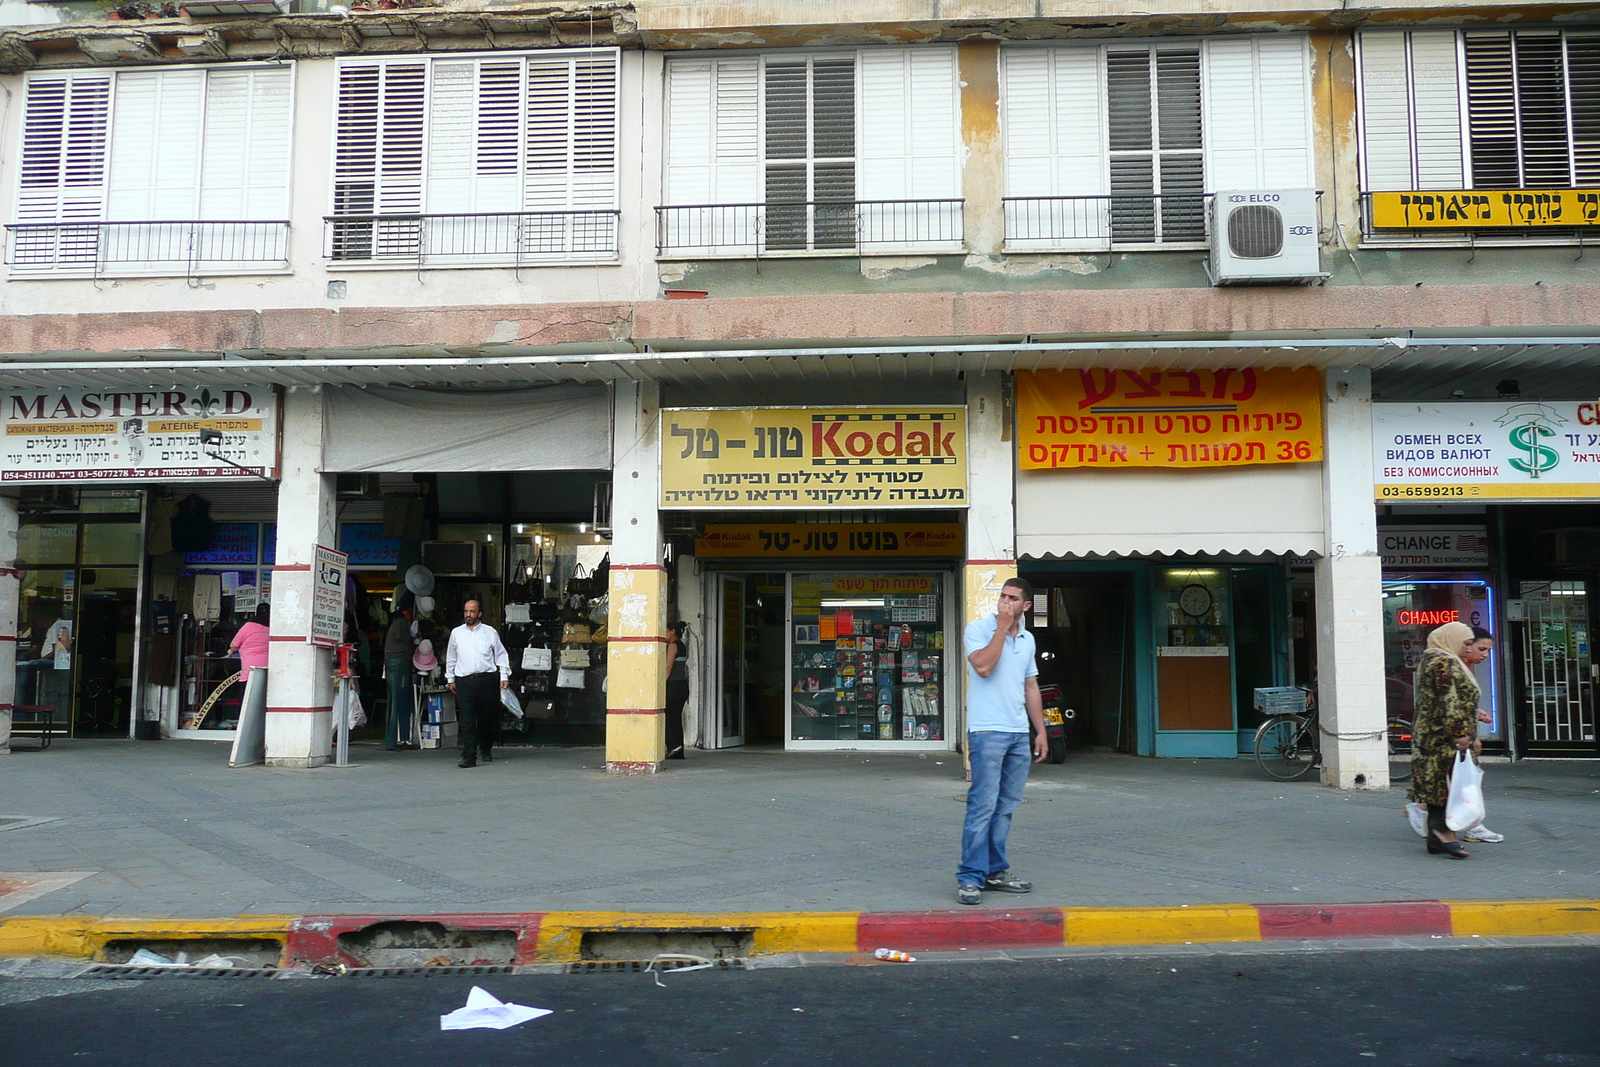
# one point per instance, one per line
(419, 580)
(425, 605)
(423, 658)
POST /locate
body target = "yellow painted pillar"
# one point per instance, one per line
(636, 669)
(636, 626)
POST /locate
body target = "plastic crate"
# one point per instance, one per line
(1280, 700)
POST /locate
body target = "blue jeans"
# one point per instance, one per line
(398, 727)
(999, 771)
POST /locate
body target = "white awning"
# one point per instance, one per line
(1274, 509)
(543, 428)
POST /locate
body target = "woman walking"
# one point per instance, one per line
(1446, 723)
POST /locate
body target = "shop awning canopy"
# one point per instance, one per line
(1273, 509)
(1403, 367)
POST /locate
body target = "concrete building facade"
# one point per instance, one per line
(1257, 339)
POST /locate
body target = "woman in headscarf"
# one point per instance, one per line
(1446, 723)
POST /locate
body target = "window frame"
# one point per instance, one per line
(1101, 47)
(919, 213)
(96, 270)
(1466, 237)
(515, 260)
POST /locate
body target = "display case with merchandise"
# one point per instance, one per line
(868, 658)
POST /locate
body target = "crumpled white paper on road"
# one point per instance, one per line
(486, 1012)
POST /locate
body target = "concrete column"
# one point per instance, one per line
(983, 170)
(991, 494)
(1350, 689)
(300, 675)
(636, 650)
(8, 617)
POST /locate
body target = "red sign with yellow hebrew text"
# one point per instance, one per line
(1168, 418)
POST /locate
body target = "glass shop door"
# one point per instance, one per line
(731, 663)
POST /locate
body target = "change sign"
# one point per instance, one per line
(739, 458)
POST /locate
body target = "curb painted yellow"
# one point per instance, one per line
(86, 937)
(1161, 926)
(1523, 918)
(561, 932)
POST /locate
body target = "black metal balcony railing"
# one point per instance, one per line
(818, 226)
(1102, 223)
(187, 247)
(525, 238)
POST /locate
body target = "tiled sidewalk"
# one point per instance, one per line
(166, 829)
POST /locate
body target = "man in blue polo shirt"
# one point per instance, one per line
(1002, 695)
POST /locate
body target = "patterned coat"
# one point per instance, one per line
(1447, 708)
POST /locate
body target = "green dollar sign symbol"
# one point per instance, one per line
(1540, 458)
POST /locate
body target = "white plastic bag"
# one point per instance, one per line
(512, 704)
(1464, 810)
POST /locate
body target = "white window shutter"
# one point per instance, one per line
(691, 131)
(908, 139)
(1283, 87)
(244, 171)
(452, 151)
(66, 121)
(1054, 137)
(1387, 159)
(1437, 94)
(908, 146)
(713, 152)
(155, 145)
(736, 133)
(1257, 124)
(571, 153)
(403, 117)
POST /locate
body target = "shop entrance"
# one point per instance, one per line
(1085, 638)
(1557, 687)
(829, 659)
(78, 556)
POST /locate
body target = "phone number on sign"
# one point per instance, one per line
(1423, 490)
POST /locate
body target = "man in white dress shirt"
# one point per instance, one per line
(475, 658)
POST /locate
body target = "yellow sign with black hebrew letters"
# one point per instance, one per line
(728, 459)
(1470, 209)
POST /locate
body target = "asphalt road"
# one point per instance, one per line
(1427, 1008)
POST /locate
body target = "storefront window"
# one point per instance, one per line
(868, 658)
(1413, 607)
(43, 544)
(108, 543)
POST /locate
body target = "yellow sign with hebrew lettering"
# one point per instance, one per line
(1112, 419)
(1470, 209)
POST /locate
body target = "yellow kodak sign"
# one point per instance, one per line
(791, 458)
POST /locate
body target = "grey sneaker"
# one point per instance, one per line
(1417, 816)
(1006, 882)
(968, 894)
(1482, 833)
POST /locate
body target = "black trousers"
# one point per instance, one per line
(478, 712)
(677, 697)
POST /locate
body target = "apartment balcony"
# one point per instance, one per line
(810, 228)
(478, 239)
(186, 247)
(1173, 221)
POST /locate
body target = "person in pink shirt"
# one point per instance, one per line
(252, 642)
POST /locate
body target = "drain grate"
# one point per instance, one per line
(426, 972)
(140, 973)
(638, 966)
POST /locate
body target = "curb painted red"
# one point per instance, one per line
(1321, 922)
(314, 939)
(932, 931)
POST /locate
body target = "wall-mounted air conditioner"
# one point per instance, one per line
(1264, 238)
(451, 559)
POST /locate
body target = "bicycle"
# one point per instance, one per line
(1289, 743)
